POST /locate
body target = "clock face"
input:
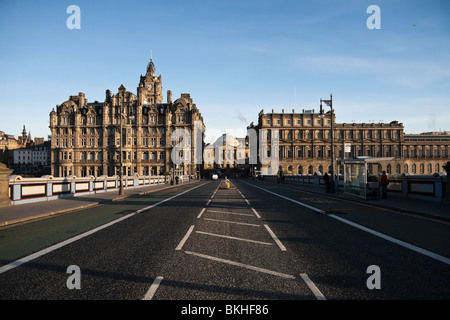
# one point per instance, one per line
(149, 87)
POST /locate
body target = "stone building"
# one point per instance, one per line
(229, 154)
(87, 140)
(304, 144)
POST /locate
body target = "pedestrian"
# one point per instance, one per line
(326, 178)
(384, 181)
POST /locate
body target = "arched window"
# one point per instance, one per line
(300, 170)
(422, 168)
(430, 168)
(289, 169)
(310, 170)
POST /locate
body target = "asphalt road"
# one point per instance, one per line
(204, 241)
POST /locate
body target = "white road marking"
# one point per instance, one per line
(188, 233)
(225, 206)
(292, 200)
(247, 201)
(312, 286)
(375, 233)
(236, 213)
(256, 213)
(238, 264)
(274, 237)
(40, 253)
(396, 241)
(226, 221)
(234, 238)
(208, 202)
(201, 212)
(151, 292)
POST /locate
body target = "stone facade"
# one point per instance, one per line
(305, 144)
(86, 137)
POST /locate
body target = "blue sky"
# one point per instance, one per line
(234, 58)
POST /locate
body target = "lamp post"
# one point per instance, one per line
(321, 114)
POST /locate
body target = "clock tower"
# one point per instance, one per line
(150, 86)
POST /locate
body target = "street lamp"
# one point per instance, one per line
(321, 114)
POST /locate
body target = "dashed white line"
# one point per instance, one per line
(312, 286)
(256, 213)
(180, 245)
(208, 202)
(151, 292)
(274, 237)
(201, 212)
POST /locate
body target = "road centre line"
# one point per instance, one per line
(256, 213)
(188, 233)
(234, 238)
(373, 232)
(274, 237)
(40, 253)
(208, 202)
(152, 290)
(226, 221)
(238, 264)
(227, 212)
(312, 287)
(201, 212)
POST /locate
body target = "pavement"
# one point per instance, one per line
(432, 209)
(21, 213)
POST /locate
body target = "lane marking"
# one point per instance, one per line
(394, 240)
(208, 202)
(236, 213)
(312, 287)
(238, 264)
(226, 221)
(188, 233)
(225, 206)
(256, 213)
(201, 212)
(40, 253)
(274, 237)
(151, 292)
(289, 199)
(234, 238)
(373, 232)
(247, 201)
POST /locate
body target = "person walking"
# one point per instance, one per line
(384, 181)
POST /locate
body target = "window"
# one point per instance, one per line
(300, 170)
(268, 122)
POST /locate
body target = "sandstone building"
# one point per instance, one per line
(305, 144)
(87, 138)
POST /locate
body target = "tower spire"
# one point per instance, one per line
(151, 65)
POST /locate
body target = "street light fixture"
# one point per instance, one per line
(321, 114)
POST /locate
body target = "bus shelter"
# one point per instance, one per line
(357, 180)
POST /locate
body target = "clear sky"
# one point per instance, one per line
(234, 58)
